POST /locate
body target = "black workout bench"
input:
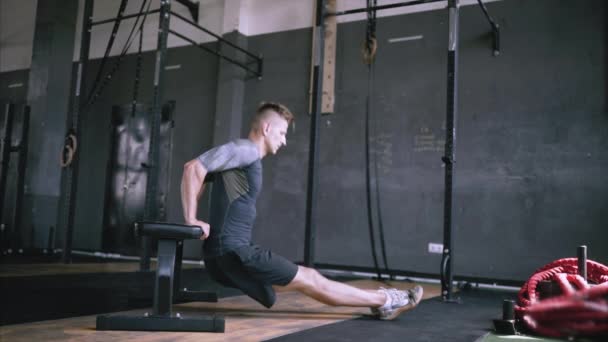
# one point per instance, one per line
(170, 246)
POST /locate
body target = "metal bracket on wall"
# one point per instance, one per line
(495, 29)
(192, 7)
(329, 60)
(257, 59)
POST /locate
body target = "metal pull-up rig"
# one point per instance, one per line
(81, 103)
(448, 158)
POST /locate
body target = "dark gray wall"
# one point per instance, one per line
(531, 134)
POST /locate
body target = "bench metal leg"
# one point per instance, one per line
(162, 318)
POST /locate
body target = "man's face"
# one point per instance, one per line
(275, 133)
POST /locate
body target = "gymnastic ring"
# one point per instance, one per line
(67, 155)
(72, 141)
(69, 149)
(369, 50)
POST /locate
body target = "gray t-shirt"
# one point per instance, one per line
(237, 170)
(235, 154)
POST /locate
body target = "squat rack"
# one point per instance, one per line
(80, 104)
(451, 117)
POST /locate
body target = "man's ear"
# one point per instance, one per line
(265, 128)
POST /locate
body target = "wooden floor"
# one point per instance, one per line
(246, 320)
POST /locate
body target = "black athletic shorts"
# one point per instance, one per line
(253, 270)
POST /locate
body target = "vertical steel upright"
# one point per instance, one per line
(21, 166)
(581, 253)
(69, 177)
(450, 145)
(315, 118)
(5, 152)
(10, 232)
(151, 207)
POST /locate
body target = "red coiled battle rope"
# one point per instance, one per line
(581, 309)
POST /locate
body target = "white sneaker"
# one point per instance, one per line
(399, 302)
(415, 294)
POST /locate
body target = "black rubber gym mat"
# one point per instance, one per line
(431, 321)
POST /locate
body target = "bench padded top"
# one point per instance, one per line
(163, 230)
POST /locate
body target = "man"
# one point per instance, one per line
(230, 257)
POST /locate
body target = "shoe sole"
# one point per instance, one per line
(397, 312)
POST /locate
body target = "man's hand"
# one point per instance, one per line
(201, 224)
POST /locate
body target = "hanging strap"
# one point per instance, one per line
(137, 73)
(368, 191)
(98, 88)
(121, 10)
(369, 51)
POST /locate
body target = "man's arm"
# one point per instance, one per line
(192, 188)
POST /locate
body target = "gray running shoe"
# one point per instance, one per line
(400, 301)
(415, 294)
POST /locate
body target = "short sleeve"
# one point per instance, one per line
(232, 155)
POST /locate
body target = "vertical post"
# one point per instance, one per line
(163, 291)
(177, 267)
(70, 173)
(582, 261)
(150, 211)
(450, 144)
(313, 155)
(21, 165)
(5, 153)
(508, 310)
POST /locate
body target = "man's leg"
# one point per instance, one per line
(311, 283)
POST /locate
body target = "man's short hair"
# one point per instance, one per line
(267, 107)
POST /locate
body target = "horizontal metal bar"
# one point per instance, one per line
(105, 21)
(382, 7)
(216, 36)
(405, 39)
(214, 52)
